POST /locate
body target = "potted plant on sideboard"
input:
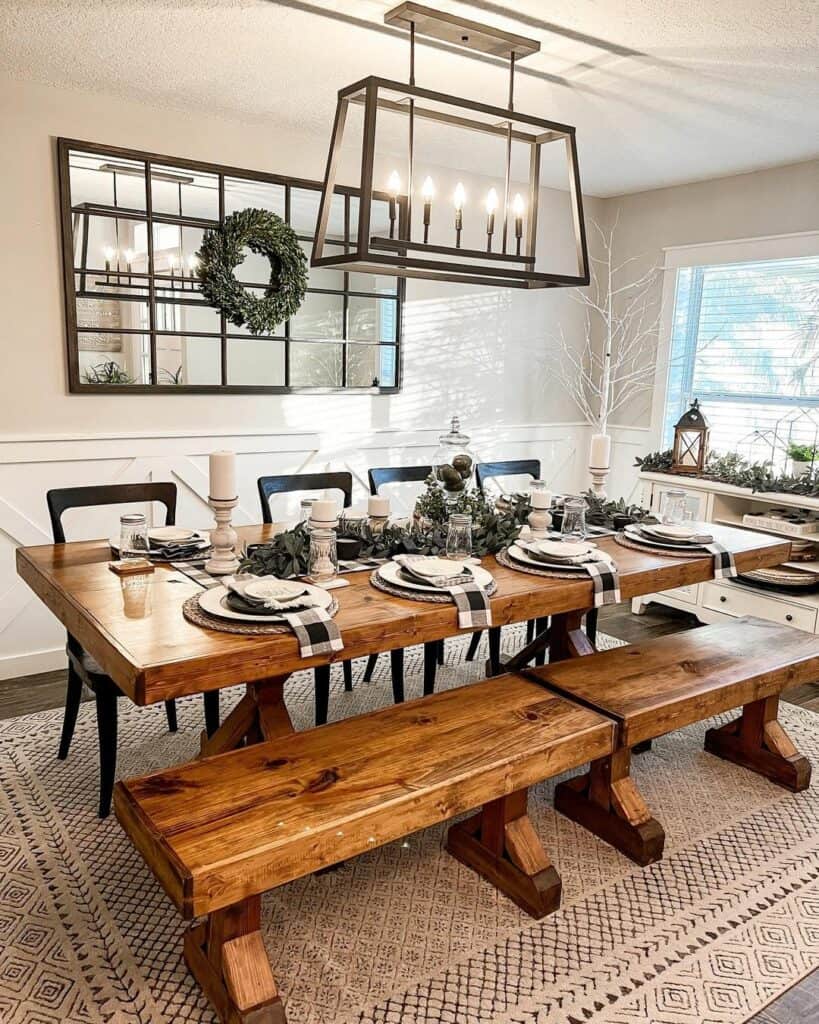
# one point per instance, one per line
(803, 457)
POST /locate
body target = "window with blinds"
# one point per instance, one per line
(745, 341)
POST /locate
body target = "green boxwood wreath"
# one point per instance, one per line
(262, 232)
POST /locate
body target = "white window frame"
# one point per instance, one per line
(708, 254)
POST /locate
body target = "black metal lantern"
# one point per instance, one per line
(388, 239)
(690, 441)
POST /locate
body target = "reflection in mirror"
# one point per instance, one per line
(106, 181)
(114, 358)
(320, 316)
(182, 360)
(175, 260)
(371, 366)
(255, 362)
(184, 193)
(187, 316)
(136, 595)
(315, 364)
(241, 193)
(114, 248)
(115, 314)
(371, 318)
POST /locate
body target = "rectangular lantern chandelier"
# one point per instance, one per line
(392, 233)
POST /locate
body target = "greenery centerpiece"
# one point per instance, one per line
(732, 468)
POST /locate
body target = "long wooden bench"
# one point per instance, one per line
(656, 687)
(221, 831)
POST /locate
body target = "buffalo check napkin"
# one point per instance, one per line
(724, 565)
(606, 582)
(314, 628)
(472, 602)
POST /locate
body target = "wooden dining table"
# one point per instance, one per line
(154, 654)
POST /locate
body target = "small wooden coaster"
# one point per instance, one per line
(131, 567)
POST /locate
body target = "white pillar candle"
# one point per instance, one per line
(600, 451)
(541, 499)
(324, 511)
(378, 506)
(223, 475)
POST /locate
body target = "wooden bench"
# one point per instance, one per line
(656, 687)
(221, 831)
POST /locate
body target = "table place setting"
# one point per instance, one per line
(676, 540)
(564, 559)
(159, 544)
(428, 578)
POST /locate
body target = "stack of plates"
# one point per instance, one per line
(556, 554)
(673, 538)
(172, 543)
(780, 577)
(222, 603)
(391, 572)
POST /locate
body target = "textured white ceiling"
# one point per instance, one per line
(661, 91)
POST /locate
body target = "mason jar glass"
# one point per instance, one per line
(574, 519)
(133, 535)
(323, 557)
(675, 508)
(459, 536)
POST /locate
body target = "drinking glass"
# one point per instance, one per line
(573, 526)
(133, 535)
(676, 509)
(459, 536)
(323, 557)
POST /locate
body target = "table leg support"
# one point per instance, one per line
(226, 955)
(606, 801)
(260, 715)
(757, 741)
(501, 845)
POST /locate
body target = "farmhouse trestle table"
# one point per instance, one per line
(162, 655)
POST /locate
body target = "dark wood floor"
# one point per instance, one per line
(800, 1005)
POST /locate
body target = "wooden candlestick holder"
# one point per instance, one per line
(223, 560)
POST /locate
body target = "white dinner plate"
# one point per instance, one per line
(517, 554)
(214, 602)
(429, 565)
(561, 549)
(171, 534)
(390, 572)
(269, 587)
(634, 534)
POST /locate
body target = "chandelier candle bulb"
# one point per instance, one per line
(193, 263)
(393, 188)
(517, 209)
(491, 206)
(129, 259)
(108, 253)
(460, 197)
(427, 191)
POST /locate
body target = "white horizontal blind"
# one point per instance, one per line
(745, 341)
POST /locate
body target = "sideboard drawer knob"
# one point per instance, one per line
(723, 598)
(789, 617)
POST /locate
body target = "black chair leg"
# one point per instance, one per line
(494, 649)
(73, 697)
(370, 668)
(397, 672)
(530, 631)
(430, 666)
(107, 733)
(591, 626)
(440, 652)
(347, 669)
(211, 699)
(170, 711)
(322, 680)
(540, 626)
(474, 643)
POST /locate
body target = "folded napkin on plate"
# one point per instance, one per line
(314, 628)
(694, 538)
(540, 556)
(472, 602)
(173, 551)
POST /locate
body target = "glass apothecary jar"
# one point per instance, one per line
(453, 464)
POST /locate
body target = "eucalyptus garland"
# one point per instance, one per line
(221, 253)
(732, 468)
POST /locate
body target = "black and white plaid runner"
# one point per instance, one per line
(315, 631)
(724, 565)
(359, 564)
(314, 628)
(606, 582)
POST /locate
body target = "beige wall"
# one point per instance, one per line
(779, 201)
(478, 349)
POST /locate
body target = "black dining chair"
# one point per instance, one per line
(83, 670)
(434, 651)
(291, 484)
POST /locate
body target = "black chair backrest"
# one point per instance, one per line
(513, 467)
(269, 485)
(397, 475)
(63, 498)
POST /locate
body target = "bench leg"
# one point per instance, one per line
(226, 955)
(606, 802)
(501, 845)
(757, 741)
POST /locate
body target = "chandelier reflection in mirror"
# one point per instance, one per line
(405, 224)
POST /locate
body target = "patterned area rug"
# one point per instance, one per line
(404, 935)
